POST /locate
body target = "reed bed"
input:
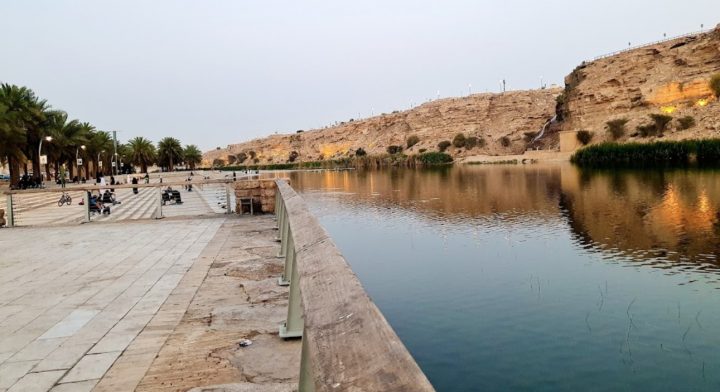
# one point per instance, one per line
(705, 152)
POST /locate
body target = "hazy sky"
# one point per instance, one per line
(218, 72)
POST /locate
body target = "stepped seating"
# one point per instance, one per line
(214, 196)
(33, 209)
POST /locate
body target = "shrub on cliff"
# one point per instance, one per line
(529, 136)
(661, 122)
(505, 141)
(459, 140)
(443, 145)
(231, 159)
(471, 142)
(360, 152)
(242, 157)
(616, 128)
(392, 150)
(434, 158)
(646, 130)
(412, 140)
(218, 162)
(252, 154)
(293, 156)
(686, 122)
(715, 85)
(422, 150)
(584, 137)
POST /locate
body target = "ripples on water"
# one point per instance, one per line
(540, 277)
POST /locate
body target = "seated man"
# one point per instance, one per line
(93, 204)
(109, 197)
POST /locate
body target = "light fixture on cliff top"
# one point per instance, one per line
(701, 102)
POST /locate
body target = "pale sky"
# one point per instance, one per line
(215, 72)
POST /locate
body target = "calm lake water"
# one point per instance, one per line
(541, 278)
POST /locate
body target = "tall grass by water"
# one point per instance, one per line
(378, 161)
(704, 152)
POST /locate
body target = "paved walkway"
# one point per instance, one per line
(92, 306)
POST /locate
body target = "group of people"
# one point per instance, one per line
(101, 202)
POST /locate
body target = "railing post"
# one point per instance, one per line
(281, 218)
(228, 208)
(86, 202)
(284, 280)
(284, 235)
(293, 327)
(10, 216)
(306, 384)
(277, 206)
(158, 212)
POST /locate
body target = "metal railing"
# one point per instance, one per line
(347, 343)
(647, 44)
(42, 207)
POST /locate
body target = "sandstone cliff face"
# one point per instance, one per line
(671, 78)
(487, 116)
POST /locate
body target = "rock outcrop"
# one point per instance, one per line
(487, 116)
(671, 78)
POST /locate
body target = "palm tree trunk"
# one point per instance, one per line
(14, 171)
(171, 164)
(36, 166)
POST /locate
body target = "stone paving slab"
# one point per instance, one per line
(73, 299)
(237, 298)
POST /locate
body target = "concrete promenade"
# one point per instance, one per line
(144, 305)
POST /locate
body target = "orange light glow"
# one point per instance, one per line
(668, 109)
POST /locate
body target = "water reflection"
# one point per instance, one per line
(537, 277)
(653, 217)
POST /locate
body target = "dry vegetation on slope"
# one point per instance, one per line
(670, 78)
(488, 117)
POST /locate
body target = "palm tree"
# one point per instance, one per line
(68, 136)
(142, 152)
(170, 151)
(192, 155)
(11, 138)
(98, 143)
(18, 114)
(86, 130)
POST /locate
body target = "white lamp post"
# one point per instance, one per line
(49, 139)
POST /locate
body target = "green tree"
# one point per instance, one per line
(169, 152)
(67, 137)
(192, 156)
(142, 152)
(99, 147)
(17, 114)
(12, 138)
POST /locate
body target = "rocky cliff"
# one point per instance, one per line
(669, 78)
(489, 117)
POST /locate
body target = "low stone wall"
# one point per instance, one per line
(261, 191)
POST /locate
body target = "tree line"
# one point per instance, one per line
(31, 128)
